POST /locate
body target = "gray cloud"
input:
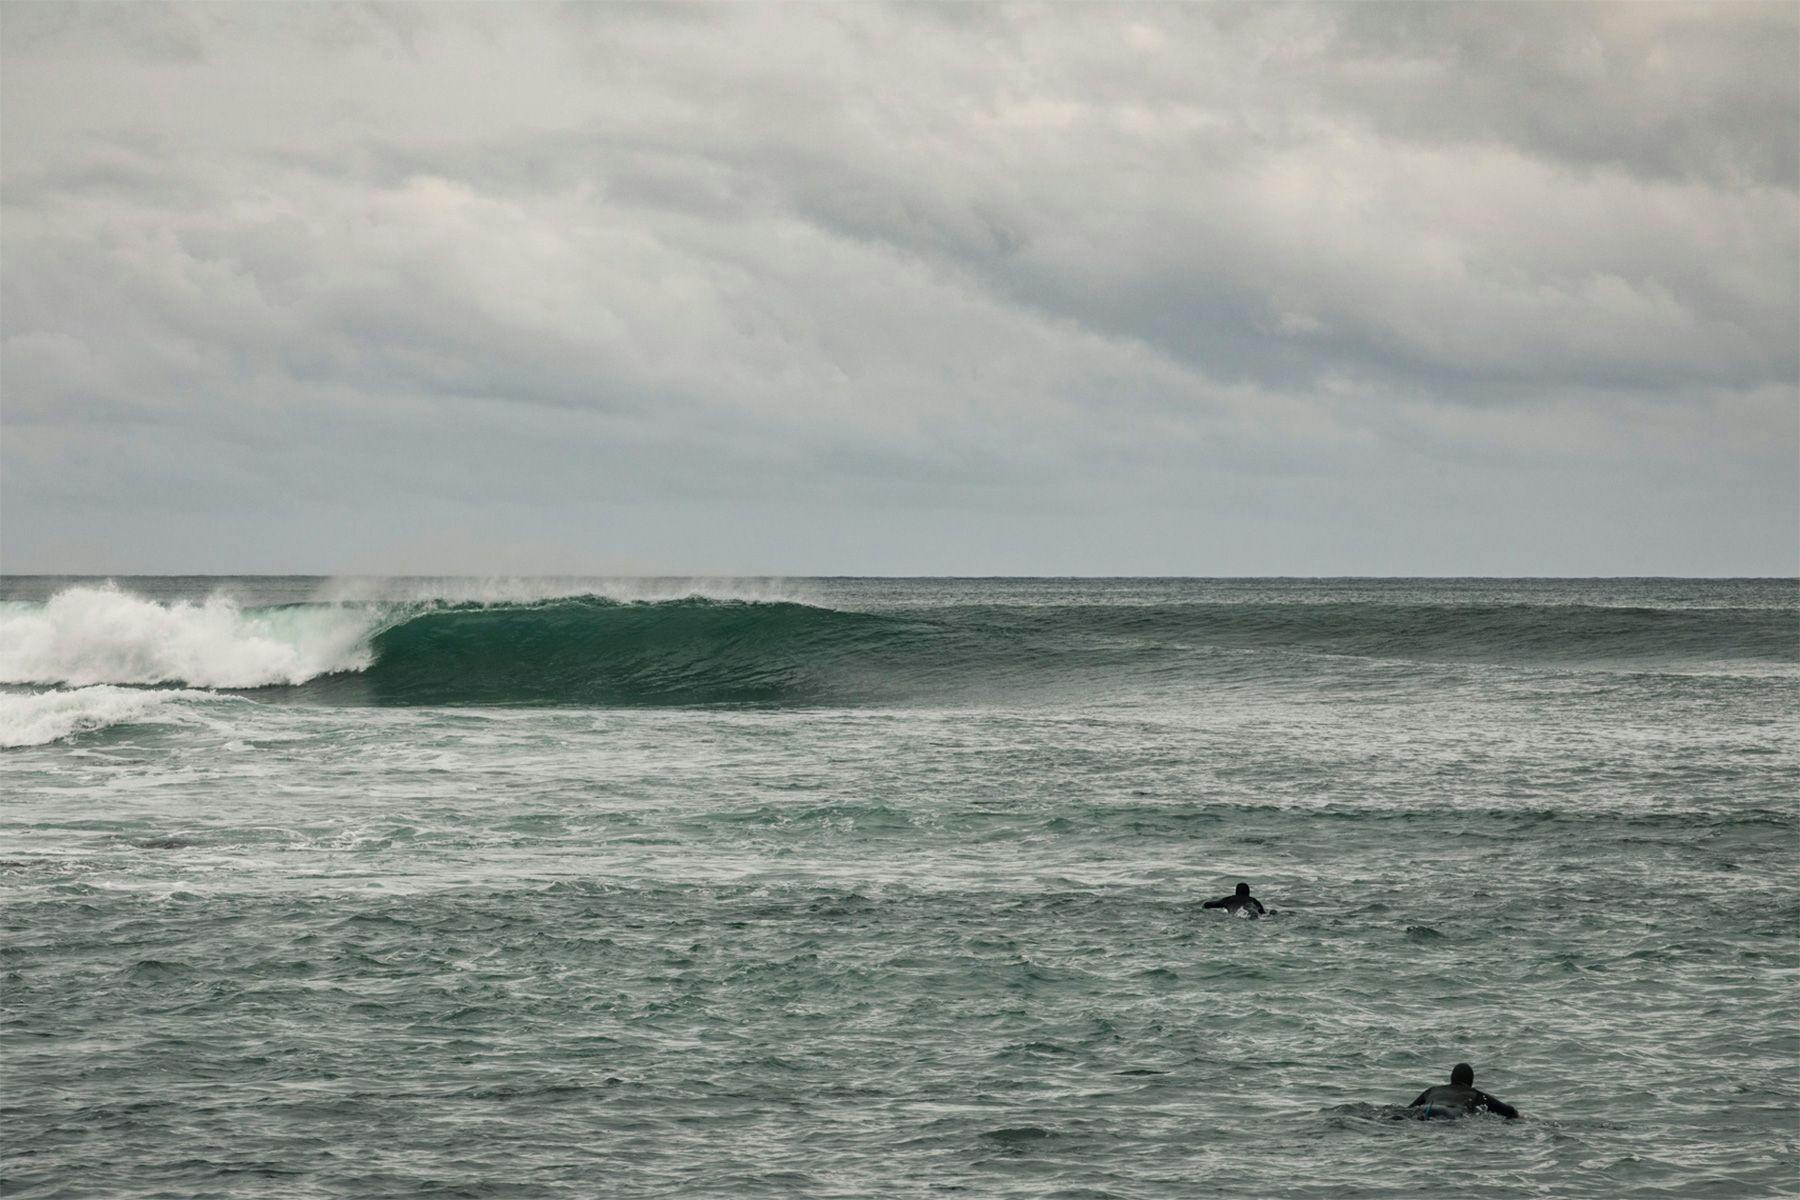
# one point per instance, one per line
(788, 288)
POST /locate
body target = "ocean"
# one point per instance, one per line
(865, 887)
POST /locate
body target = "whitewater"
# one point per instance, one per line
(831, 887)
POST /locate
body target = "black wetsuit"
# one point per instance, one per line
(1459, 1100)
(1231, 904)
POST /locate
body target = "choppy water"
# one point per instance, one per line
(850, 888)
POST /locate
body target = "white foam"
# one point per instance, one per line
(100, 635)
(33, 719)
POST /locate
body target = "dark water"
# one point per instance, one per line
(848, 888)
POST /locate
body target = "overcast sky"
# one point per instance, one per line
(1259, 289)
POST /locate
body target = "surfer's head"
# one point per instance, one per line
(1243, 889)
(1464, 1074)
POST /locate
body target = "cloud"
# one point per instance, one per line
(314, 283)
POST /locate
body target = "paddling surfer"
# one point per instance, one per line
(1460, 1098)
(1238, 901)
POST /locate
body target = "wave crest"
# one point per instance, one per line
(96, 635)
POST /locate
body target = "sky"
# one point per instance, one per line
(1258, 289)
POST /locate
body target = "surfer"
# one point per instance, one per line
(1237, 901)
(1460, 1097)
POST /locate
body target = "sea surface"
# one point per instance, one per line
(846, 888)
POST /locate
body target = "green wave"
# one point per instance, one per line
(591, 651)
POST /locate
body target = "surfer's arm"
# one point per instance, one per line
(1421, 1099)
(1499, 1107)
(1221, 903)
(1258, 903)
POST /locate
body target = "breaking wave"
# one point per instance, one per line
(589, 650)
(34, 718)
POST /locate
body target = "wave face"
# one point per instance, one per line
(593, 651)
(590, 650)
(600, 652)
